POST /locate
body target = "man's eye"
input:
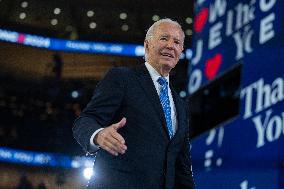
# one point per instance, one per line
(177, 42)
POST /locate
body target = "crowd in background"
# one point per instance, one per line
(38, 115)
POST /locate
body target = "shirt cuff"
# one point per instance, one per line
(92, 144)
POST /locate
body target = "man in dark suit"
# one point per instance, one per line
(137, 124)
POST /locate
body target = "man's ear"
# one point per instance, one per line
(146, 44)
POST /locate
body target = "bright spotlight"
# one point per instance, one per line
(88, 172)
(75, 94)
(182, 94)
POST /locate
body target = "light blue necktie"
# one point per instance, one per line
(165, 101)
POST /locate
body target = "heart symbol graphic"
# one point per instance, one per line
(212, 66)
(200, 20)
(21, 38)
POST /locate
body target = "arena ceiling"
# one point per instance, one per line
(120, 21)
(109, 20)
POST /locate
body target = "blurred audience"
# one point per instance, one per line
(24, 183)
(41, 186)
(38, 115)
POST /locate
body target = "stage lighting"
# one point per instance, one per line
(123, 16)
(124, 27)
(92, 25)
(57, 11)
(182, 94)
(88, 172)
(188, 54)
(188, 32)
(155, 18)
(188, 20)
(90, 13)
(75, 94)
(54, 22)
(22, 15)
(24, 4)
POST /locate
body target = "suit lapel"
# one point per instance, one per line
(147, 84)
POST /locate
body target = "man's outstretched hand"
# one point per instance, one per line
(110, 140)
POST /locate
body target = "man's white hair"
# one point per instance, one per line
(151, 31)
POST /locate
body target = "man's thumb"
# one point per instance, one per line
(120, 124)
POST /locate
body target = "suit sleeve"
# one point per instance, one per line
(184, 174)
(100, 111)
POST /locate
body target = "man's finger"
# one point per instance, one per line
(120, 124)
(112, 147)
(116, 145)
(111, 151)
(120, 139)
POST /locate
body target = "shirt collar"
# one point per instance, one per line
(153, 73)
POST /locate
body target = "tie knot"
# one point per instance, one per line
(162, 81)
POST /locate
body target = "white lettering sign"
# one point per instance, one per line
(265, 95)
(269, 129)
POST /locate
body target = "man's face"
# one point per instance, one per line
(164, 47)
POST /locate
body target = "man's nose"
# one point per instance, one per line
(170, 44)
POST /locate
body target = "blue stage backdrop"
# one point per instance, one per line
(247, 151)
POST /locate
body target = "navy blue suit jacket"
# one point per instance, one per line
(152, 160)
